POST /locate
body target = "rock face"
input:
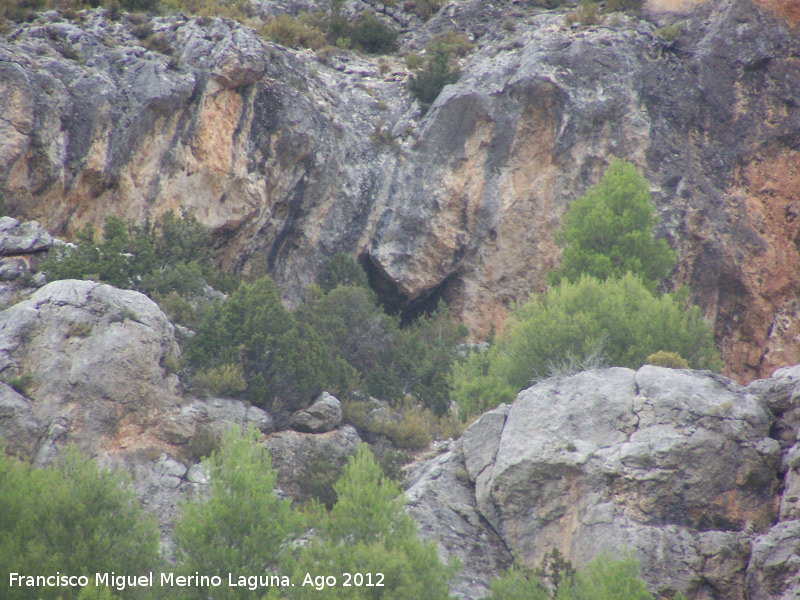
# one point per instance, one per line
(324, 414)
(676, 466)
(290, 156)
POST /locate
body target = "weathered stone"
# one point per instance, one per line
(323, 415)
(290, 452)
(19, 429)
(22, 238)
(774, 569)
(276, 150)
(93, 354)
(13, 268)
(440, 497)
(675, 466)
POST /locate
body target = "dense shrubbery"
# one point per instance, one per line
(572, 319)
(73, 519)
(439, 68)
(602, 579)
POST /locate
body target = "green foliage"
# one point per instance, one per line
(372, 35)
(670, 33)
(671, 360)
(341, 269)
(601, 579)
(73, 519)
(573, 318)
(424, 9)
(367, 531)
(243, 526)
(224, 380)
(202, 444)
(293, 32)
(438, 71)
(608, 231)
(624, 5)
(21, 383)
(440, 67)
(586, 14)
(278, 354)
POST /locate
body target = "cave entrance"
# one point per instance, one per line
(395, 302)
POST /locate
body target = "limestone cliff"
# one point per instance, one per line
(290, 155)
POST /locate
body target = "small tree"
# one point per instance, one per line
(73, 518)
(368, 532)
(608, 232)
(243, 526)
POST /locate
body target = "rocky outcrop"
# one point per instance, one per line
(297, 456)
(324, 414)
(678, 467)
(291, 156)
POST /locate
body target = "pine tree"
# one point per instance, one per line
(609, 231)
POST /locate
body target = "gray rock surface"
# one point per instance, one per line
(93, 354)
(324, 414)
(22, 238)
(290, 452)
(675, 466)
(441, 499)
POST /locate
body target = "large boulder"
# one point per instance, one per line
(93, 359)
(22, 238)
(325, 414)
(675, 466)
(299, 456)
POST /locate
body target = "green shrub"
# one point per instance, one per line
(22, 383)
(670, 33)
(74, 519)
(411, 432)
(671, 360)
(225, 380)
(413, 60)
(607, 232)
(372, 35)
(201, 445)
(243, 527)
(367, 531)
(440, 68)
(601, 579)
(321, 470)
(574, 318)
(158, 42)
(79, 329)
(341, 269)
(624, 5)
(292, 32)
(424, 9)
(586, 15)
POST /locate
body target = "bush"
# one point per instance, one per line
(74, 519)
(601, 579)
(372, 35)
(671, 360)
(573, 318)
(292, 32)
(367, 531)
(440, 68)
(225, 380)
(624, 5)
(607, 232)
(587, 14)
(243, 526)
(342, 270)
(21, 384)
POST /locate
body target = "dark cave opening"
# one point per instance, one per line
(394, 301)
